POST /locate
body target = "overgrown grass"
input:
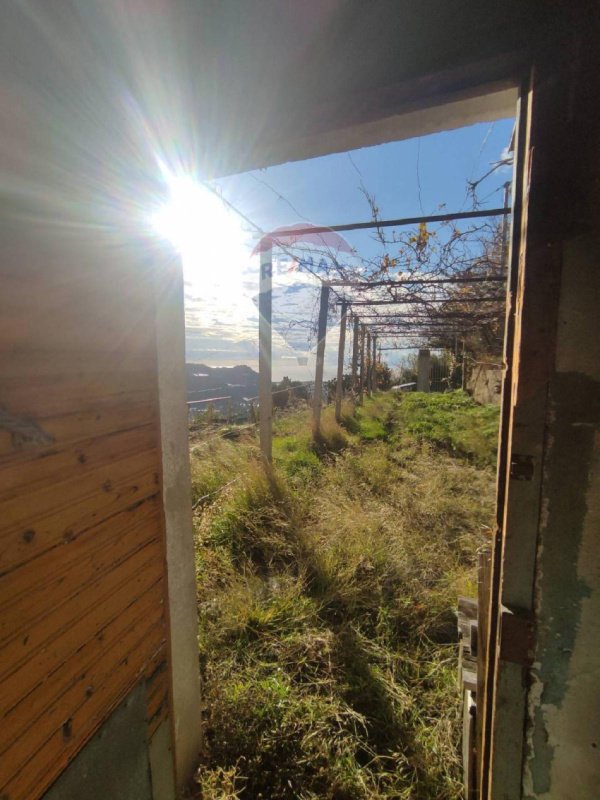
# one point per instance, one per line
(452, 420)
(326, 591)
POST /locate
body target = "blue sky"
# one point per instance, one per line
(407, 178)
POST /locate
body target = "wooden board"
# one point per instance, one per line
(31, 709)
(65, 573)
(66, 740)
(61, 514)
(82, 551)
(98, 679)
(157, 690)
(35, 473)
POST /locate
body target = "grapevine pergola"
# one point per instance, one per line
(422, 310)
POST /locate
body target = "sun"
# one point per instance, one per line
(195, 220)
(215, 250)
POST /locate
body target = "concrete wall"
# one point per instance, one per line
(563, 730)
(120, 762)
(564, 701)
(546, 698)
(484, 383)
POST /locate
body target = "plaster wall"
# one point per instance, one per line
(563, 758)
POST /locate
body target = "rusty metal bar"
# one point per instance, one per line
(415, 300)
(409, 281)
(390, 223)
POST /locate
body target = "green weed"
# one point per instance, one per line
(453, 421)
(327, 593)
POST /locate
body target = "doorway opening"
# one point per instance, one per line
(329, 573)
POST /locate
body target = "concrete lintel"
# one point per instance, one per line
(487, 107)
(444, 112)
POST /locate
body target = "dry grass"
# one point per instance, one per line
(327, 635)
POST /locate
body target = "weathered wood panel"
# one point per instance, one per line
(49, 645)
(110, 415)
(157, 688)
(33, 705)
(34, 474)
(54, 755)
(82, 552)
(72, 295)
(62, 513)
(65, 572)
(70, 395)
(133, 645)
(484, 575)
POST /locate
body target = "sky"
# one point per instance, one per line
(408, 178)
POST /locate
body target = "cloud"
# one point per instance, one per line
(222, 326)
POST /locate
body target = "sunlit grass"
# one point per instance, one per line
(327, 595)
(453, 421)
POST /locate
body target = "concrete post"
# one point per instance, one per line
(265, 383)
(322, 332)
(423, 370)
(361, 379)
(355, 352)
(374, 364)
(339, 386)
(182, 606)
(368, 364)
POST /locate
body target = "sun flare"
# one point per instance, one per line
(215, 250)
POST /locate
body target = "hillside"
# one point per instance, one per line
(327, 595)
(238, 383)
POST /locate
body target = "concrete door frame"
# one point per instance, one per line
(483, 103)
(177, 511)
